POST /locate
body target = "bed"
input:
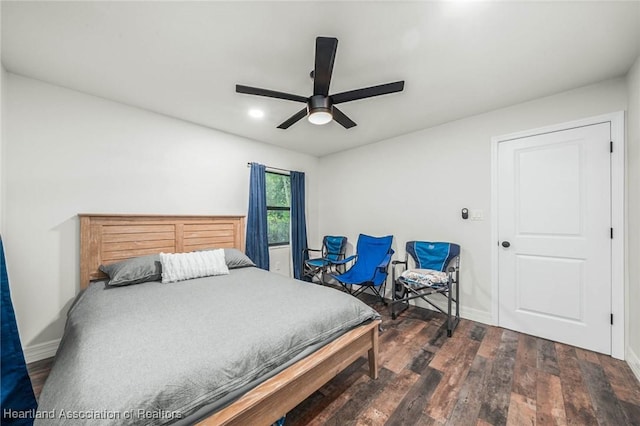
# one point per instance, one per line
(138, 347)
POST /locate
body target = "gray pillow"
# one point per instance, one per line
(134, 271)
(234, 258)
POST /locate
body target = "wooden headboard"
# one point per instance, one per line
(107, 238)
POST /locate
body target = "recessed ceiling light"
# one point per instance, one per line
(256, 113)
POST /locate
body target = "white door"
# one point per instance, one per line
(554, 216)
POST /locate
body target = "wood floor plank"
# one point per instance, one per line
(478, 332)
(522, 410)
(362, 396)
(407, 349)
(467, 407)
(496, 395)
(577, 401)
(463, 329)
(451, 346)
(412, 405)
(528, 350)
(455, 373)
(446, 355)
(425, 420)
(491, 342)
(631, 412)
(426, 315)
(524, 373)
(421, 361)
(586, 355)
(607, 408)
(323, 416)
(624, 383)
(546, 360)
(318, 402)
(549, 400)
(438, 337)
(383, 406)
(38, 372)
(524, 380)
(389, 348)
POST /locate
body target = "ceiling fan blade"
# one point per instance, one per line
(342, 119)
(325, 56)
(367, 92)
(293, 119)
(269, 93)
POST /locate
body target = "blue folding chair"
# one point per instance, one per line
(437, 268)
(372, 258)
(332, 251)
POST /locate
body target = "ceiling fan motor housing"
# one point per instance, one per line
(319, 103)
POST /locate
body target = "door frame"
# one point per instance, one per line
(618, 189)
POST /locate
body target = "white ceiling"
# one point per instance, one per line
(183, 59)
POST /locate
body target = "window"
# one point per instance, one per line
(278, 208)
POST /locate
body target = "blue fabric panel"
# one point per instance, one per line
(298, 224)
(17, 394)
(257, 241)
(372, 252)
(318, 263)
(335, 246)
(432, 255)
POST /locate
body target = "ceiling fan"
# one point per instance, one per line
(321, 107)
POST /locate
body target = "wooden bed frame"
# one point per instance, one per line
(106, 238)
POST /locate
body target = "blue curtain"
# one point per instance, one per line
(298, 223)
(17, 394)
(257, 240)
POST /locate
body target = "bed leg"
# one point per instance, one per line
(373, 354)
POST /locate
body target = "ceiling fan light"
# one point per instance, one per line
(319, 117)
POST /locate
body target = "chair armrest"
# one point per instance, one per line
(310, 249)
(454, 270)
(343, 261)
(395, 264)
(386, 260)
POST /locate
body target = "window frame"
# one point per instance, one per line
(280, 208)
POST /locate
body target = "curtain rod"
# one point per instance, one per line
(273, 168)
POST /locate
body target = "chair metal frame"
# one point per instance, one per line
(402, 293)
(311, 271)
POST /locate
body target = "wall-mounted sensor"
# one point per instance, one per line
(465, 213)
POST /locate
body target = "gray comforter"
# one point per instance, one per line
(157, 353)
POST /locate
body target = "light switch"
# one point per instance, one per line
(477, 215)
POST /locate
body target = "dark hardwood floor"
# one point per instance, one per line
(483, 375)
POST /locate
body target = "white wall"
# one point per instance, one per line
(633, 217)
(66, 153)
(414, 186)
(3, 76)
(2, 85)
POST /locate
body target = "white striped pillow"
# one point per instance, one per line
(184, 266)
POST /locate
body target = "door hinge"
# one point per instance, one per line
(611, 319)
(611, 233)
(611, 146)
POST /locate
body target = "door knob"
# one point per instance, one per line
(506, 244)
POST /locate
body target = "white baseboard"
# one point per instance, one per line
(634, 362)
(476, 315)
(41, 351)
